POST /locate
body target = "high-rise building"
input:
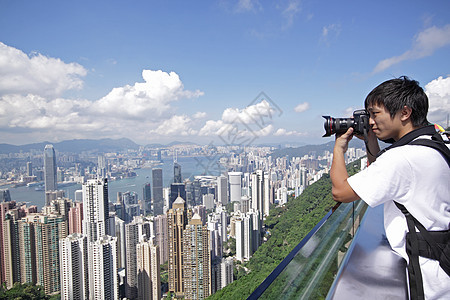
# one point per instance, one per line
(50, 169)
(103, 279)
(76, 218)
(177, 219)
(121, 242)
(53, 195)
(177, 173)
(176, 190)
(226, 270)
(10, 243)
(196, 260)
(148, 271)
(158, 199)
(95, 208)
(257, 181)
(132, 239)
(74, 267)
(39, 237)
(147, 199)
(5, 196)
(234, 179)
(4, 208)
(244, 237)
(29, 168)
(161, 235)
(101, 167)
(222, 190)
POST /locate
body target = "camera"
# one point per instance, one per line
(359, 122)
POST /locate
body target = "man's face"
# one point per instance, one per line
(383, 126)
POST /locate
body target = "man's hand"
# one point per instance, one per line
(341, 190)
(342, 140)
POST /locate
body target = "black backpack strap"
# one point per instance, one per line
(435, 144)
(412, 249)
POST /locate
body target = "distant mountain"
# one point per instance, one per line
(75, 146)
(318, 149)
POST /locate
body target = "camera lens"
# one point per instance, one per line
(337, 125)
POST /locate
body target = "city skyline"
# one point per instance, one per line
(228, 72)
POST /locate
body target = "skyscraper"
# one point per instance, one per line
(235, 186)
(132, 239)
(196, 260)
(222, 190)
(74, 267)
(148, 271)
(39, 237)
(50, 169)
(177, 219)
(177, 173)
(158, 199)
(103, 279)
(76, 218)
(257, 182)
(147, 198)
(176, 190)
(11, 247)
(95, 208)
(160, 226)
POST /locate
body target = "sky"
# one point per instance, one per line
(210, 72)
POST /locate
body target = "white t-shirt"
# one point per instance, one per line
(419, 178)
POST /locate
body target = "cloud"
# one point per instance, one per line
(330, 32)
(199, 115)
(150, 98)
(248, 5)
(284, 132)
(246, 124)
(425, 44)
(438, 92)
(175, 126)
(290, 11)
(302, 107)
(37, 74)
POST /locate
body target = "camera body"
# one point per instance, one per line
(359, 122)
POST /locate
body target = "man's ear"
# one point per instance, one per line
(405, 113)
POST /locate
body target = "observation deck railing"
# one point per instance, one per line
(341, 258)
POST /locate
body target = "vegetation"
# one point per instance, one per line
(25, 291)
(285, 228)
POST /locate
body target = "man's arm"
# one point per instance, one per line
(341, 190)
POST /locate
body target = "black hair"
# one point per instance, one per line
(397, 93)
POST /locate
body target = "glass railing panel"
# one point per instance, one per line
(310, 273)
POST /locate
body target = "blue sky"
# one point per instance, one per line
(242, 72)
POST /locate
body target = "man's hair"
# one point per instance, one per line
(396, 93)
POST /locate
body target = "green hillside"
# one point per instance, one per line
(287, 225)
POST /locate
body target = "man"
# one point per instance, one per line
(416, 176)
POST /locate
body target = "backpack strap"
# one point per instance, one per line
(412, 249)
(435, 144)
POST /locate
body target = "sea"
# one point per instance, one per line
(190, 167)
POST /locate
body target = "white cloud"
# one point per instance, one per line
(37, 74)
(330, 32)
(284, 132)
(249, 115)
(199, 115)
(438, 92)
(148, 99)
(290, 11)
(302, 107)
(175, 126)
(425, 44)
(248, 5)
